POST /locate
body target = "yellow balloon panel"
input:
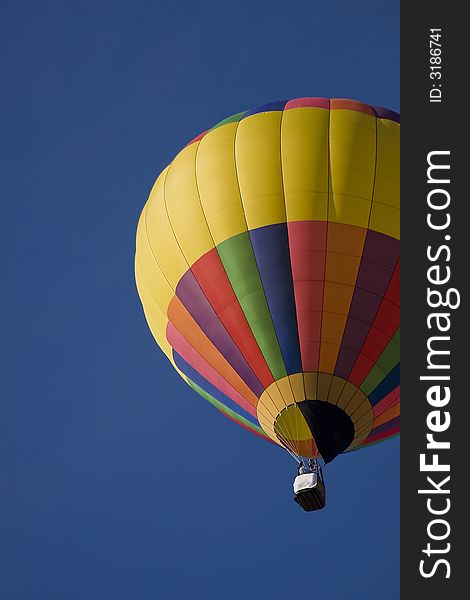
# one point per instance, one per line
(258, 160)
(385, 213)
(218, 183)
(352, 166)
(155, 280)
(184, 207)
(160, 234)
(305, 163)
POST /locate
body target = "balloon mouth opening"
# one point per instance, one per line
(320, 428)
(332, 429)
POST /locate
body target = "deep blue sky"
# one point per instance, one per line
(98, 431)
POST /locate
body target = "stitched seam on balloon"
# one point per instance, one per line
(326, 248)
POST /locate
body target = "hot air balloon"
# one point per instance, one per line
(267, 264)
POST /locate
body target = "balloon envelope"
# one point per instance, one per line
(267, 264)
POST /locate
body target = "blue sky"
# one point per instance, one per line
(98, 432)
